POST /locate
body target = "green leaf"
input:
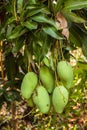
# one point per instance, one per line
(9, 30)
(71, 5)
(1, 91)
(82, 65)
(46, 61)
(30, 25)
(34, 11)
(75, 37)
(32, 1)
(84, 45)
(52, 32)
(38, 8)
(44, 19)
(17, 32)
(9, 8)
(20, 5)
(22, 61)
(73, 17)
(41, 44)
(75, 4)
(10, 20)
(18, 44)
(58, 5)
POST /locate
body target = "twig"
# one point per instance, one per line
(1, 62)
(14, 114)
(15, 11)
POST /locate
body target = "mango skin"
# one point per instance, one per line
(41, 99)
(47, 78)
(65, 72)
(30, 102)
(60, 98)
(28, 85)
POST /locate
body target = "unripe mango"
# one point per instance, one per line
(47, 78)
(60, 98)
(65, 72)
(28, 85)
(41, 99)
(30, 102)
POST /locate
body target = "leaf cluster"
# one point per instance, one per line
(29, 29)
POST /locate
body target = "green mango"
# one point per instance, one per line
(68, 84)
(28, 85)
(65, 72)
(41, 99)
(47, 78)
(60, 98)
(30, 102)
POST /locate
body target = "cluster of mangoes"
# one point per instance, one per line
(44, 93)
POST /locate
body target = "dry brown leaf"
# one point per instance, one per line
(62, 24)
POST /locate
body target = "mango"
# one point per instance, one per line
(60, 98)
(30, 102)
(41, 99)
(65, 72)
(28, 85)
(47, 78)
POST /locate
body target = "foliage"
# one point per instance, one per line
(32, 30)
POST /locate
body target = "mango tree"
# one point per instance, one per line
(35, 37)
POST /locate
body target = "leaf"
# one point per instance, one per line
(10, 20)
(20, 5)
(75, 37)
(71, 5)
(34, 11)
(82, 65)
(38, 8)
(44, 19)
(73, 17)
(29, 9)
(18, 44)
(52, 32)
(41, 44)
(84, 45)
(75, 4)
(32, 1)
(62, 24)
(9, 29)
(46, 61)
(6, 27)
(58, 5)
(17, 32)
(9, 8)
(1, 91)
(30, 25)
(22, 61)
